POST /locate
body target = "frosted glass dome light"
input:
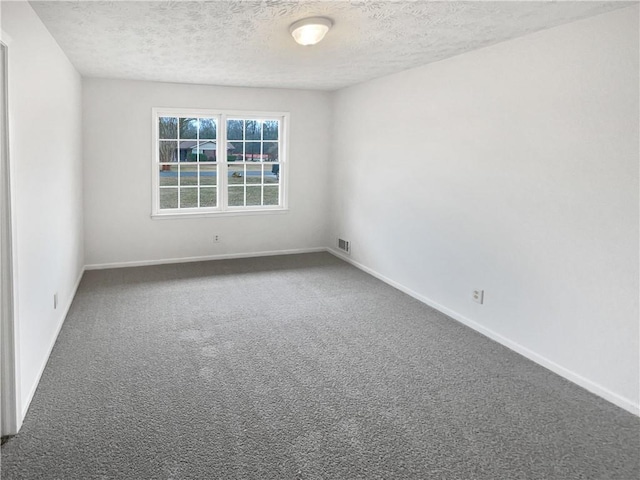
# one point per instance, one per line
(310, 31)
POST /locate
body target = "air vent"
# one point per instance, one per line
(344, 245)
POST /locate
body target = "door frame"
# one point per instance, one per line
(10, 414)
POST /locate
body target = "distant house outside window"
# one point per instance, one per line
(210, 162)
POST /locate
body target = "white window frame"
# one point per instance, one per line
(222, 208)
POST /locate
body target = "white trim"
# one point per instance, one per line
(206, 112)
(63, 317)
(283, 178)
(579, 380)
(11, 420)
(227, 256)
(155, 176)
(228, 213)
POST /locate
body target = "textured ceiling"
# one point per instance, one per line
(247, 43)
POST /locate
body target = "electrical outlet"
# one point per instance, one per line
(478, 296)
(216, 239)
(55, 300)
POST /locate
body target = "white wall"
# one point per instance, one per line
(512, 169)
(45, 155)
(117, 175)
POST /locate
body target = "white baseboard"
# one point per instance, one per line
(165, 261)
(583, 382)
(63, 317)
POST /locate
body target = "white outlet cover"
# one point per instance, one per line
(478, 296)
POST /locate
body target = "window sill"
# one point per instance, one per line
(232, 213)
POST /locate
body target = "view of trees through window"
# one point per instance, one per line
(193, 174)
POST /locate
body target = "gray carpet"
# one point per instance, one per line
(298, 367)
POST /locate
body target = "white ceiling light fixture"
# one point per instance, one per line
(310, 31)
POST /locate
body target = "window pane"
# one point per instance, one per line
(271, 196)
(188, 175)
(188, 151)
(208, 197)
(253, 130)
(272, 175)
(270, 130)
(234, 129)
(234, 152)
(208, 175)
(168, 198)
(168, 151)
(207, 151)
(188, 197)
(168, 175)
(252, 151)
(208, 128)
(254, 195)
(270, 151)
(236, 196)
(253, 173)
(188, 127)
(168, 127)
(236, 174)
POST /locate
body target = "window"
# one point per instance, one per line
(210, 162)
